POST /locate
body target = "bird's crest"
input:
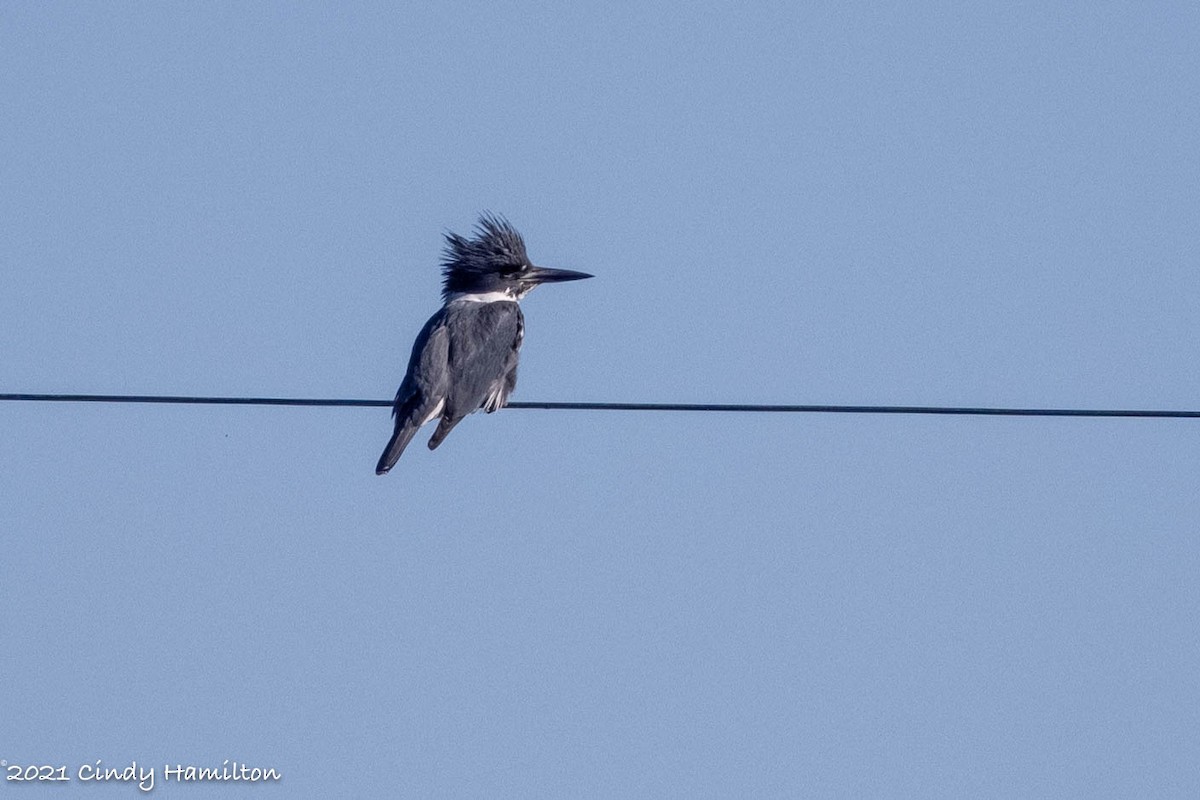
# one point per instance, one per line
(495, 248)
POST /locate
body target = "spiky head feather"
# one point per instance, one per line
(496, 249)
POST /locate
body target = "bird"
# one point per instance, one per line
(465, 358)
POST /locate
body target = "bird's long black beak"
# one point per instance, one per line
(547, 275)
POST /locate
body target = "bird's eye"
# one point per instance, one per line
(510, 269)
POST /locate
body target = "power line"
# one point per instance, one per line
(728, 407)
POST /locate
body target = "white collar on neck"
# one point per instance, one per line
(480, 297)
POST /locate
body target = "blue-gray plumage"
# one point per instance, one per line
(465, 358)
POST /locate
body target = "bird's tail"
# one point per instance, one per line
(395, 447)
(443, 430)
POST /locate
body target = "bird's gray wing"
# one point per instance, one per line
(484, 340)
(422, 394)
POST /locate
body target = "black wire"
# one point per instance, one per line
(739, 407)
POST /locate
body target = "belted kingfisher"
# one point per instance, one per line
(465, 358)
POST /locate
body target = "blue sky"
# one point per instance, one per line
(917, 203)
